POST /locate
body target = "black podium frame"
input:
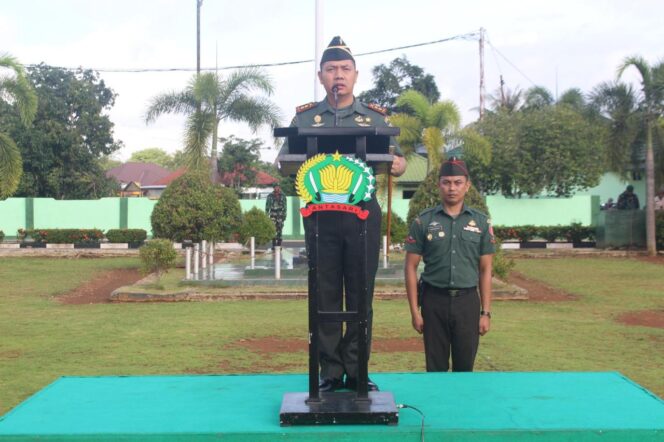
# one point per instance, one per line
(371, 145)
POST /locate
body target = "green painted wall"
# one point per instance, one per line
(139, 211)
(12, 215)
(611, 185)
(73, 214)
(542, 211)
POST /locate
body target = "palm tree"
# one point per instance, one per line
(507, 100)
(209, 100)
(425, 123)
(651, 102)
(616, 105)
(16, 89)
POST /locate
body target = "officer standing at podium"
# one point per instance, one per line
(339, 234)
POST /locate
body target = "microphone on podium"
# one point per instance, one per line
(335, 91)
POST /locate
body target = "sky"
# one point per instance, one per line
(558, 45)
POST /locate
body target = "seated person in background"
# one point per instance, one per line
(659, 199)
(628, 199)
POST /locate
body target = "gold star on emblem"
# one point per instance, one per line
(336, 156)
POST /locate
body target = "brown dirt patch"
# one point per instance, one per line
(659, 259)
(538, 291)
(271, 344)
(645, 318)
(98, 290)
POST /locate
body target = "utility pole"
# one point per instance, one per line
(482, 90)
(199, 3)
(319, 46)
(502, 91)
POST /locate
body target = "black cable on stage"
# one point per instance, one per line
(421, 414)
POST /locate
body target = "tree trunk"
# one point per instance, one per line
(213, 154)
(650, 192)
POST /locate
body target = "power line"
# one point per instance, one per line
(511, 64)
(467, 36)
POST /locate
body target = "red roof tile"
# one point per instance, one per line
(147, 174)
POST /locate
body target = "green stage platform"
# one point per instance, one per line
(458, 407)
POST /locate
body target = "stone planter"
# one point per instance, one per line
(59, 246)
(114, 246)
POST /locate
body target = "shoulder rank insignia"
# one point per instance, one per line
(376, 108)
(305, 107)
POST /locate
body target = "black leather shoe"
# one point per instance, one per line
(351, 384)
(330, 384)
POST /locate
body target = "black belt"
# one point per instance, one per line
(450, 292)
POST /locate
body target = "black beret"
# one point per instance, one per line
(453, 167)
(336, 51)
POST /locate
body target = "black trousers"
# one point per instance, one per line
(340, 248)
(451, 326)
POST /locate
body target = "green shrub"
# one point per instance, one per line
(526, 233)
(157, 256)
(398, 228)
(2, 236)
(193, 208)
(428, 195)
(256, 223)
(62, 236)
(551, 233)
(659, 229)
(502, 264)
(133, 236)
(577, 232)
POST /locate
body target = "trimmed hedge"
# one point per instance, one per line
(2, 236)
(575, 233)
(132, 236)
(62, 236)
(257, 224)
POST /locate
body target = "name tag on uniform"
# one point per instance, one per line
(472, 229)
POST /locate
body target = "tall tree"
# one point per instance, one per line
(239, 161)
(554, 150)
(651, 102)
(394, 79)
(209, 100)
(70, 133)
(15, 91)
(537, 97)
(153, 155)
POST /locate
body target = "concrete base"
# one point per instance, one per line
(114, 246)
(10, 246)
(559, 245)
(59, 246)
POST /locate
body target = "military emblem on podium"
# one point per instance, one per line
(333, 182)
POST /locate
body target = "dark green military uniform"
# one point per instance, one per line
(451, 248)
(275, 208)
(321, 114)
(340, 244)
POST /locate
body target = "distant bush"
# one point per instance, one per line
(193, 208)
(256, 223)
(2, 236)
(398, 228)
(575, 233)
(62, 236)
(157, 256)
(502, 264)
(133, 236)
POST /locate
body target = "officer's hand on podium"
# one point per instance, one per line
(398, 166)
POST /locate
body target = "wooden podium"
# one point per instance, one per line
(371, 145)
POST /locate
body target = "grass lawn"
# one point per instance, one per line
(41, 339)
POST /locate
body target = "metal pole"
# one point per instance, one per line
(252, 248)
(319, 47)
(385, 246)
(482, 89)
(187, 266)
(389, 213)
(198, 36)
(277, 262)
(211, 255)
(204, 254)
(197, 256)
